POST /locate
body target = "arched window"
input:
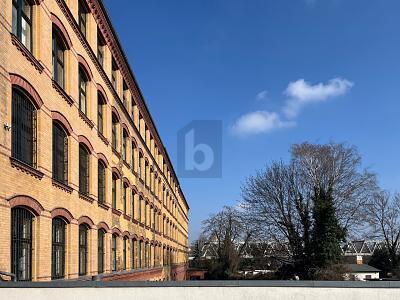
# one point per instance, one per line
(114, 131)
(100, 250)
(58, 58)
(140, 254)
(21, 243)
(114, 252)
(22, 22)
(125, 196)
(23, 128)
(114, 74)
(133, 253)
(60, 154)
(83, 170)
(82, 16)
(100, 113)
(140, 208)
(114, 191)
(83, 249)
(146, 173)
(133, 204)
(101, 182)
(133, 153)
(124, 144)
(58, 248)
(140, 165)
(124, 251)
(83, 80)
(100, 47)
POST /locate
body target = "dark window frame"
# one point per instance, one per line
(82, 87)
(58, 61)
(24, 128)
(114, 252)
(82, 18)
(18, 5)
(84, 169)
(60, 153)
(21, 243)
(114, 191)
(101, 182)
(83, 249)
(58, 248)
(100, 113)
(101, 250)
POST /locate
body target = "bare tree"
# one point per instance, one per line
(231, 235)
(280, 198)
(384, 218)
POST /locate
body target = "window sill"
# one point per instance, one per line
(127, 165)
(19, 165)
(103, 138)
(86, 197)
(116, 152)
(86, 119)
(103, 205)
(126, 217)
(116, 212)
(25, 52)
(62, 186)
(63, 94)
(135, 221)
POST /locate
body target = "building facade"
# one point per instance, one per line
(87, 186)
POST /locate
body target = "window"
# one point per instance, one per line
(146, 173)
(114, 75)
(114, 131)
(23, 129)
(140, 208)
(114, 252)
(22, 22)
(100, 250)
(82, 91)
(114, 192)
(60, 154)
(124, 252)
(100, 48)
(140, 253)
(124, 144)
(125, 194)
(125, 95)
(83, 249)
(21, 243)
(140, 165)
(101, 182)
(82, 16)
(133, 204)
(133, 252)
(58, 249)
(58, 59)
(133, 153)
(83, 170)
(100, 113)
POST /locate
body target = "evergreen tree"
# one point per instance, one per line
(327, 233)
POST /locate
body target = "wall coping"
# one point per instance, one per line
(203, 283)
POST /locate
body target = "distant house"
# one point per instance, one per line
(362, 272)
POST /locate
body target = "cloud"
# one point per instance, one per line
(259, 122)
(263, 95)
(302, 93)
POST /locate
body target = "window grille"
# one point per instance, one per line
(60, 154)
(58, 249)
(83, 249)
(21, 243)
(100, 250)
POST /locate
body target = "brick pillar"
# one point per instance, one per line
(72, 249)
(5, 245)
(42, 252)
(92, 252)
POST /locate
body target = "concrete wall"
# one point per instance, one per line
(201, 293)
(206, 290)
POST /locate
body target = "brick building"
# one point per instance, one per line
(87, 186)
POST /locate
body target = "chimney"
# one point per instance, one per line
(359, 260)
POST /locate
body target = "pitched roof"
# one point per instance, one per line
(356, 268)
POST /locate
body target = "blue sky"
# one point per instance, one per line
(275, 72)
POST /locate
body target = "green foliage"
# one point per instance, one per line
(382, 261)
(327, 233)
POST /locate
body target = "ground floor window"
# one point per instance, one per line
(58, 249)
(21, 243)
(83, 232)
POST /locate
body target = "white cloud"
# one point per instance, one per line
(301, 93)
(263, 95)
(259, 122)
